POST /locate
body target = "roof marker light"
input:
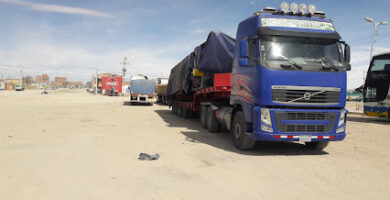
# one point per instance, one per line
(284, 7)
(294, 7)
(303, 8)
(320, 14)
(312, 9)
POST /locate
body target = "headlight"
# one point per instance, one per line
(284, 7)
(266, 128)
(339, 130)
(342, 119)
(312, 9)
(266, 116)
(302, 8)
(294, 7)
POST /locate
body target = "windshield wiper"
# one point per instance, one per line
(327, 65)
(292, 63)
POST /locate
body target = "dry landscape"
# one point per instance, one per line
(70, 144)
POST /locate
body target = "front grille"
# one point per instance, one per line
(300, 95)
(142, 98)
(290, 122)
(305, 116)
(288, 128)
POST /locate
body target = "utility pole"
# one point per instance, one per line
(364, 77)
(21, 72)
(124, 63)
(370, 20)
(96, 82)
(124, 70)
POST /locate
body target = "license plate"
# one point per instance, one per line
(305, 138)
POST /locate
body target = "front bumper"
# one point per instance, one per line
(296, 124)
(141, 99)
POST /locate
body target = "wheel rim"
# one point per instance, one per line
(237, 130)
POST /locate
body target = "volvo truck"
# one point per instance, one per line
(282, 78)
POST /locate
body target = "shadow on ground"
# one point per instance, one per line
(127, 103)
(371, 120)
(197, 134)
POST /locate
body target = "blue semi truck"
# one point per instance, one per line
(283, 78)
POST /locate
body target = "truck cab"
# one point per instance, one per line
(289, 78)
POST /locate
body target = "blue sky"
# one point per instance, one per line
(73, 38)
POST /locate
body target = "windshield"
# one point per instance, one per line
(311, 54)
(377, 81)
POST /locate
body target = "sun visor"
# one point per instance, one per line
(296, 33)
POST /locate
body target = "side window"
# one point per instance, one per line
(379, 65)
(252, 52)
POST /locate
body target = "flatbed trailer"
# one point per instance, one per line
(189, 105)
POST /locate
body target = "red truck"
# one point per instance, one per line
(111, 86)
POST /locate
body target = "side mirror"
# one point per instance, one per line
(347, 56)
(387, 68)
(347, 53)
(243, 49)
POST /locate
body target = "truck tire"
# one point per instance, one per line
(203, 116)
(241, 141)
(180, 111)
(187, 113)
(174, 109)
(321, 145)
(212, 122)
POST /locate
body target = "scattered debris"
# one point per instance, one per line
(145, 156)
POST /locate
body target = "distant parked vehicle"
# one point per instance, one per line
(19, 87)
(142, 91)
(44, 91)
(161, 90)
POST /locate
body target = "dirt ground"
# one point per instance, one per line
(74, 145)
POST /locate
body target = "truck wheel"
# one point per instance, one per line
(203, 116)
(321, 145)
(180, 111)
(212, 122)
(241, 141)
(173, 109)
(187, 113)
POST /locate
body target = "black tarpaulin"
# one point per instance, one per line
(180, 77)
(213, 56)
(216, 54)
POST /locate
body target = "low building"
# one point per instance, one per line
(2, 85)
(43, 79)
(10, 84)
(60, 82)
(75, 84)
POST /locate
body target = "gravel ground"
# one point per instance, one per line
(73, 145)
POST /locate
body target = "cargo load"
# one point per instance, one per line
(213, 56)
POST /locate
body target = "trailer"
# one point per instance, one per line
(142, 91)
(283, 78)
(161, 91)
(111, 86)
